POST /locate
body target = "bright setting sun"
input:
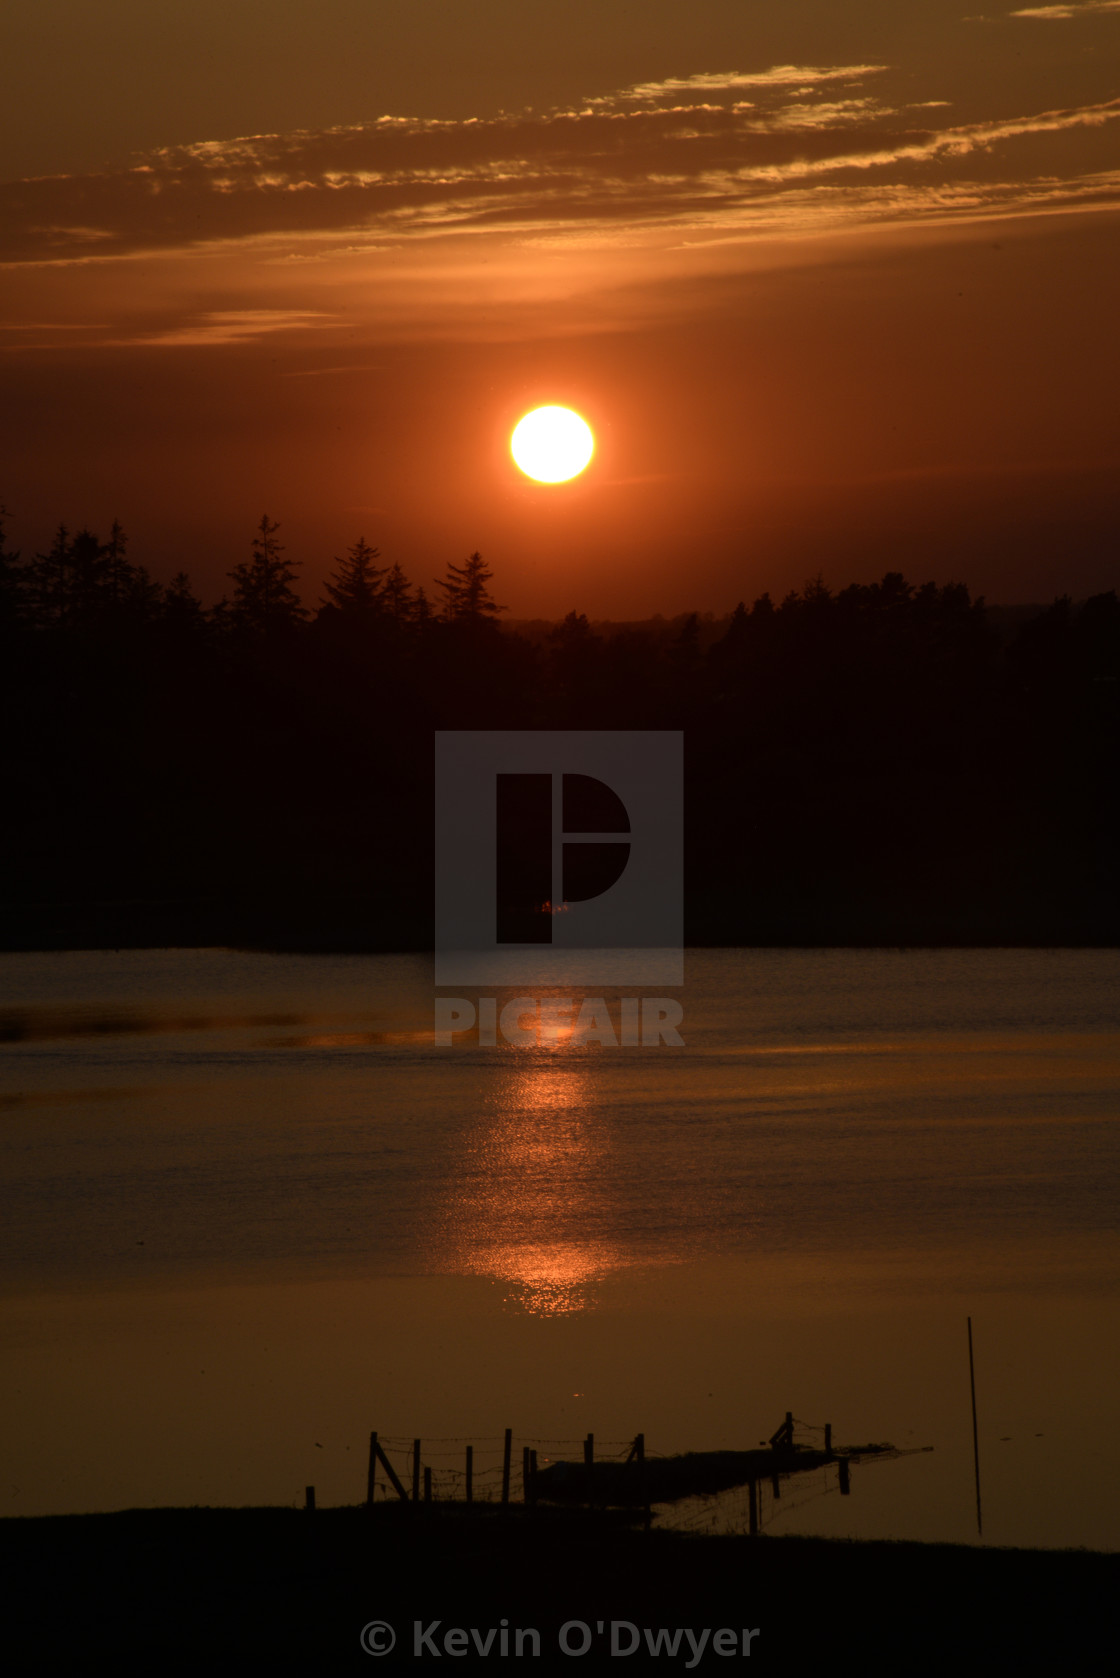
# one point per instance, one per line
(552, 444)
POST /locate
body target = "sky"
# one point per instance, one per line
(833, 283)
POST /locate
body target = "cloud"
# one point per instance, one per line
(391, 220)
(1053, 14)
(373, 189)
(727, 81)
(236, 326)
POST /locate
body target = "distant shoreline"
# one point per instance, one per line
(65, 942)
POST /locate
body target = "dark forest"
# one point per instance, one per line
(892, 763)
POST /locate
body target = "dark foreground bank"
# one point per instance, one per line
(277, 1590)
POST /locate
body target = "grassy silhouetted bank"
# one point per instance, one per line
(276, 1590)
(884, 764)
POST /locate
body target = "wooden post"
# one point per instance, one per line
(394, 1478)
(643, 1483)
(507, 1449)
(416, 1471)
(845, 1477)
(828, 1439)
(371, 1471)
(782, 1438)
(309, 1497)
(526, 1490)
(427, 1485)
(775, 1486)
(589, 1464)
(470, 1473)
(752, 1505)
(975, 1435)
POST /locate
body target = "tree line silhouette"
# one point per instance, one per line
(885, 763)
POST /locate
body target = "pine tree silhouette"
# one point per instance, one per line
(50, 581)
(466, 596)
(182, 609)
(356, 584)
(118, 573)
(396, 591)
(422, 611)
(87, 576)
(263, 598)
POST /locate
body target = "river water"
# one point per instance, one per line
(252, 1212)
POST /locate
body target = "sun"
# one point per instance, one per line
(552, 444)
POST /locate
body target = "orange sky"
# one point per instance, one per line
(836, 293)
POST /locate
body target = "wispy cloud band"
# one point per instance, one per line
(1058, 14)
(398, 179)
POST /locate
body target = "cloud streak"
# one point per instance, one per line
(236, 326)
(707, 83)
(395, 181)
(1056, 14)
(431, 223)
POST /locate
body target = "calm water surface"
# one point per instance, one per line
(251, 1212)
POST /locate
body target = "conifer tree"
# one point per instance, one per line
(422, 612)
(396, 592)
(356, 584)
(50, 581)
(466, 595)
(182, 609)
(264, 600)
(87, 582)
(118, 573)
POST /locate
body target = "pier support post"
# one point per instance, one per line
(371, 1471)
(506, 1452)
(643, 1483)
(845, 1477)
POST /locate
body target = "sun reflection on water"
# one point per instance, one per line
(533, 1206)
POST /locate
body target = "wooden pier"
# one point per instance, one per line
(630, 1480)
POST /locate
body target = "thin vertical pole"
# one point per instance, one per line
(470, 1473)
(416, 1471)
(507, 1449)
(643, 1483)
(975, 1434)
(371, 1471)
